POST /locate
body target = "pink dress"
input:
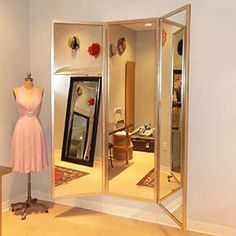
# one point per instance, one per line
(28, 150)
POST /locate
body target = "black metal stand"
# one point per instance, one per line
(29, 203)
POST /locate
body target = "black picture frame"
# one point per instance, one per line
(67, 131)
(71, 128)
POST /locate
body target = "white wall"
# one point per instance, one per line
(212, 149)
(165, 132)
(117, 65)
(178, 59)
(79, 59)
(145, 77)
(14, 63)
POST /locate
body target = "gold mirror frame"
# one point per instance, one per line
(104, 105)
(184, 147)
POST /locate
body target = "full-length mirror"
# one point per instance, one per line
(132, 79)
(141, 140)
(173, 113)
(76, 93)
(81, 120)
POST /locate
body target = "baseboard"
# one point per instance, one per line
(174, 201)
(144, 211)
(57, 157)
(7, 204)
(212, 229)
(139, 210)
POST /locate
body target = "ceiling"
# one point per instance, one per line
(140, 26)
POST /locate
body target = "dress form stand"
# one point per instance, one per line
(31, 204)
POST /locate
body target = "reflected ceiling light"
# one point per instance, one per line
(148, 24)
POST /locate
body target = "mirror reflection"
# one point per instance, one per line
(77, 140)
(172, 112)
(81, 120)
(132, 78)
(75, 101)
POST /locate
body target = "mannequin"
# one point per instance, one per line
(29, 87)
(28, 150)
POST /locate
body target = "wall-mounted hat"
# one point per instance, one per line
(113, 50)
(74, 43)
(164, 37)
(180, 47)
(121, 46)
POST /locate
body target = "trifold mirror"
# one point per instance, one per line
(141, 147)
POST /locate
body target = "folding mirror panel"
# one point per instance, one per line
(173, 120)
(131, 108)
(77, 65)
(136, 146)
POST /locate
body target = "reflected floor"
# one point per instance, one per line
(90, 183)
(123, 178)
(125, 183)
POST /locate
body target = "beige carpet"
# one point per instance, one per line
(69, 221)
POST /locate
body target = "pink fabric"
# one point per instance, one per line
(28, 150)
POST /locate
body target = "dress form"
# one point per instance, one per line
(28, 99)
(28, 88)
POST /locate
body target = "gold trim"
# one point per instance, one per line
(178, 10)
(173, 174)
(173, 23)
(92, 23)
(104, 112)
(144, 20)
(173, 217)
(106, 134)
(184, 156)
(52, 114)
(186, 104)
(176, 32)
(158, 109)
(156, 106)
(170, 193)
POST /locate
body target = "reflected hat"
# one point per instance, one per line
(74, 43)
(121, 46)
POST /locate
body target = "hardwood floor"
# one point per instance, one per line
(64, 220)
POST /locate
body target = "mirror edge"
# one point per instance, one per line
(186, 8)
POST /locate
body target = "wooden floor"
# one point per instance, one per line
(70, 221)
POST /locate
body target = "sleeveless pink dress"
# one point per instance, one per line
(28, 149)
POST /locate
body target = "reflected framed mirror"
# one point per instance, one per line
(173, 73)
(81, 120)
(80, 172)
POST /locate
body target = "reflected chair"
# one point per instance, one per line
(122, 146)
(110, 146)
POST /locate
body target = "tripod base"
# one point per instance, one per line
(30, 203)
